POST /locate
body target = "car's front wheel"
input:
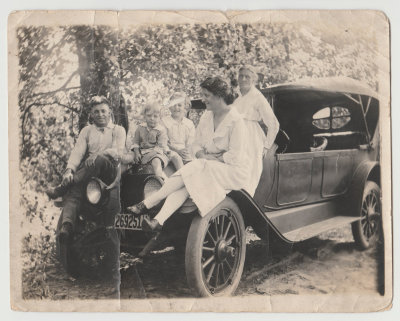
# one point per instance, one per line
(367, 230)
(215, 251)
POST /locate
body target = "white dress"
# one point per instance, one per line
(208, 181)
(254, 107)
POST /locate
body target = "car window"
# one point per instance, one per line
(322, 123)
(340, 117)
(323, 113)
(331, 117)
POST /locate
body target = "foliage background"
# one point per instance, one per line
(61, 67)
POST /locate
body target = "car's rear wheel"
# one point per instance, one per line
(367, 230)
(215, 251)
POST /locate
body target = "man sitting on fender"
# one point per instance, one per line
(96, 154)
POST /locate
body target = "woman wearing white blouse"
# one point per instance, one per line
(254, 108)
(220, 166)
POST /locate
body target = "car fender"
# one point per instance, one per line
(253, 216)
(368, 170)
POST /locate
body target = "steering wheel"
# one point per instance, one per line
(320, 144)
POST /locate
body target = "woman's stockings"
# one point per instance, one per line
(172, 203)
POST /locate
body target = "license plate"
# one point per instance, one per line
(128, 222)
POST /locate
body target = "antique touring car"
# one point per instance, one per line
(322, 173)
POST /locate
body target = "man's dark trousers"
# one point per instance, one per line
(104, 169)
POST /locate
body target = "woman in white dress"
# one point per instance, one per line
(254, 108)
(220, 165)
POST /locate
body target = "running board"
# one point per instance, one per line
(294, 218)
(309, 231)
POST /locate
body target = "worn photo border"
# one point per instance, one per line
(305, 304)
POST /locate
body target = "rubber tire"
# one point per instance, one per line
(193, 254)
(356, 227)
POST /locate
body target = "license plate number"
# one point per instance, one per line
(128, 222)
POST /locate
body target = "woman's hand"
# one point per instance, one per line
(265, 152)
(184, 153)
(211, 157)
(204, 155)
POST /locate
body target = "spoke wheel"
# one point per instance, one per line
(215, 251)
(366, 231)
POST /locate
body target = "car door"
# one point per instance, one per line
(294, 178)
(337, 172)
(339, 159)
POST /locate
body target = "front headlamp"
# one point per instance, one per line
(95, 191)
(151, 185)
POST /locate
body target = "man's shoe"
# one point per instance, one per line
(151, 225)
(137, 209)
(56, 192)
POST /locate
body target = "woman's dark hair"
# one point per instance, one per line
(219, 87)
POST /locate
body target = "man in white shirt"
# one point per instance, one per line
(96, 154)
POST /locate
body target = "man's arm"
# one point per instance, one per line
(120, 140)
(117, 149)
(79, 150)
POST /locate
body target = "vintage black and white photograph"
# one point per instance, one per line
(205, 161)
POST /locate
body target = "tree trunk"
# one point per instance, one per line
(97, 50)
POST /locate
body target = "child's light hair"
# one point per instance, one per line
(179, 97)
(152, 107)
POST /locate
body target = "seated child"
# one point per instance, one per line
(150, 143)
(180, 130)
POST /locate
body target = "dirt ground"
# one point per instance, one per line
(327, 264)
(330, 263)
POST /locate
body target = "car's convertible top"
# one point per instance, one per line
(330, 84)
(296, 105)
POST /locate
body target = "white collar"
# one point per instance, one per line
(232, 116)
(249, 92)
